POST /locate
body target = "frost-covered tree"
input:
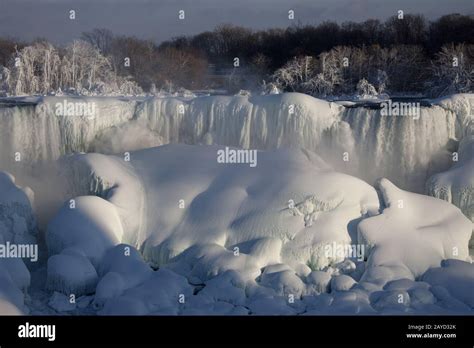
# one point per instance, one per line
(4, 80)
(453, 70)
(34, 69)
(39, 69)
(84, 67)
(365, 89)
(293, 74)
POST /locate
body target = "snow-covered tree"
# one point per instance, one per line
(34, 69)
(39, 69)
(4, 80)
(453, 70)
(365, 89)
(294, 74)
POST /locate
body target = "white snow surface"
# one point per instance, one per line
(235, 246)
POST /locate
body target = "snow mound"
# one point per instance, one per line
(318, 282)
(160, 294)
(71, 272)
(342, 282)
(89, 224)
(113, 179)
(233, 207)
(128, 263)
(413, 233)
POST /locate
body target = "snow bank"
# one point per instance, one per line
(413, 233)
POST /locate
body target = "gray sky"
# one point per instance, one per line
(158, 19)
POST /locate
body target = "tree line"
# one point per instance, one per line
(399, 55)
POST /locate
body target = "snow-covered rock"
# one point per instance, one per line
(160, 294)
(71, 272)
(342, 283)
(318, 282)
(126, 261)
(88, 223)
(457, 277)
(61, 303)
(111, 285)
(285, 283)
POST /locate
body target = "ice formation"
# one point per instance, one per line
(169, 230)
(356, 140)
(18, 226)
(457, 184)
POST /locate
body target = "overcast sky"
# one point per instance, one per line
(158, 19)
